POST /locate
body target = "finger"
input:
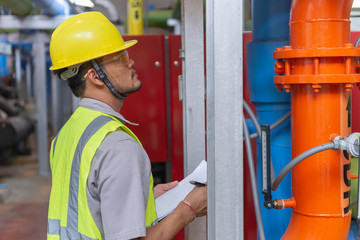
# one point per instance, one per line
(171, 185)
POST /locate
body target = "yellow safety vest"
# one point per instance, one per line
(71, 155)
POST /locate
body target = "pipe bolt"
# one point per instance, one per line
(349, 45)
(348, 87)
(287, 88)
(316, 87)
(279, 67)
(279, 87)
(287, 47)
(357, 67)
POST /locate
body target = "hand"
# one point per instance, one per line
(160, 189)
(198, 200)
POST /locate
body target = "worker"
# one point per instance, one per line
(102, 186)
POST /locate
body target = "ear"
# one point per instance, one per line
(93, 77)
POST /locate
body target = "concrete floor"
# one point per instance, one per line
(24, 203)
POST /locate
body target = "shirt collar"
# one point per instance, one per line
(97, 105)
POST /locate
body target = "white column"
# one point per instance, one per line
(193, 97)
(224, 119)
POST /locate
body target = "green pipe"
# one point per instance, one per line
(158, 18)
(18, 7)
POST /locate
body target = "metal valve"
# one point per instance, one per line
(349, 143)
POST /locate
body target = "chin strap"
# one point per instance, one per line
(104, 78)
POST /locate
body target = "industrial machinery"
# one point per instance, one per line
(16, 122)
(319, 68)
(302, 67)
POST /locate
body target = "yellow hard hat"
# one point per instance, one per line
(84, 37)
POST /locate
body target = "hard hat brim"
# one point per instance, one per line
(130, 43)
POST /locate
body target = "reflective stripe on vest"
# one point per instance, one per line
(94, 133)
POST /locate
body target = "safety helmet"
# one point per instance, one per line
(84, 37)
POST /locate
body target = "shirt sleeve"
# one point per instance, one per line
(122, 182)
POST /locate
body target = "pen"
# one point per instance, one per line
(198, 184)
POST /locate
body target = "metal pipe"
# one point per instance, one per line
(110, 8)
(18, 70)
(280, 120)
(253, 118)
(38, 51)
(54, 7)
(135, 21)
(15, 129)
(318, 110)
(253, 181)
(28, 73)
(8, 108)
(272, 126)
(17, 7)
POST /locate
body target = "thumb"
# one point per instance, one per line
(170, 185)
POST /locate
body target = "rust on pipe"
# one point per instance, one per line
(323, 71)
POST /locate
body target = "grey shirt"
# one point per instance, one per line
(118, 183)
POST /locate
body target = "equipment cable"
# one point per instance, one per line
(299, 159)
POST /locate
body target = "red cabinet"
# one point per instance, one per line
(147, 107)
(355, 100)
(156, 107)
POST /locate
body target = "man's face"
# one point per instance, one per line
(120, 72)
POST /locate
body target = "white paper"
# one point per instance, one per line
(167, 202)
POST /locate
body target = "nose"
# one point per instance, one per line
(131, 63)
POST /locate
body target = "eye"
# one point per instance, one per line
(118, 58)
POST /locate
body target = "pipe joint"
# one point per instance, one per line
(290, 69)
(349, 143)
(284, 203)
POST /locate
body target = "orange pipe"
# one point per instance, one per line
(321, 74)
(284, 203)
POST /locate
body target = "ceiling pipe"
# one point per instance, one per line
(319, 69)
(110, 8)
(17, 7)
(54, 7)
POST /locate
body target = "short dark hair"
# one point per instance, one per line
(76, 83)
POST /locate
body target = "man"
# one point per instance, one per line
(102, 187)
